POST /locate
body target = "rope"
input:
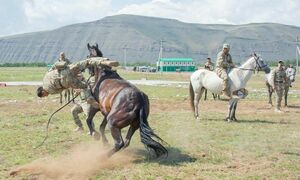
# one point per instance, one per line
(49, 120)
(47, 127)
(245, 69)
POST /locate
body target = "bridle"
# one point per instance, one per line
(257, 67)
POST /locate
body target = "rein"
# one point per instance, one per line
(245, 69)
(49, 120)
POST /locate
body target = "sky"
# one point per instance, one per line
(22, 16)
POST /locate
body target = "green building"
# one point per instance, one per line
(175, 65)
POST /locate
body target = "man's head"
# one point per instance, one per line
(62, 56)
(291, 66)
(208, 59)
(41, 92)
(226, 48)
(280, 64)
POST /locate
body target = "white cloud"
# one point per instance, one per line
(37, 15)
(62, 12)
(220, 11)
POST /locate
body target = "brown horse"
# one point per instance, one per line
(122, 104)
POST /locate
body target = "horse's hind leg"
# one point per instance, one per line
(205, 94)
(102, 131)
(131, 130)
(196, 102)
(119, 143)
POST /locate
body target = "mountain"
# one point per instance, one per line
(141, 37)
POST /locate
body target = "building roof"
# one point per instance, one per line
(176, 59)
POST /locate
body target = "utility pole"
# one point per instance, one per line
(297, 55)
(160, 55)
(125, 56)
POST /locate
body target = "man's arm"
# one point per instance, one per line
(220, 61)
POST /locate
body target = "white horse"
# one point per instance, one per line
(291, 74)
(238, 77)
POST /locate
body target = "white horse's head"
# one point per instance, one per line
(291, 73)
(260, 64)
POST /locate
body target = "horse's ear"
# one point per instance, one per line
(97, 45)
(88, 45)
(254, 54)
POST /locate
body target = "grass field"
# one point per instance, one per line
(262, 145)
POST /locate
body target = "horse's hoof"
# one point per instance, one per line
(96, 136)
(228, 119)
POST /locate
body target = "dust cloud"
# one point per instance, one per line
(80, 162)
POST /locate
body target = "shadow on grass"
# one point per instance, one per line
(175, 157)
(291, 153)
(294, 106)
(250, 121)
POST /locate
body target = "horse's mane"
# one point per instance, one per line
(105, 73)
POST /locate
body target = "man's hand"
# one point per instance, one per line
(77, 92)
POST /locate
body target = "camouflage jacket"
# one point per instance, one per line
(56, 81)
(209, 66)
(278, 76)
(224, 61)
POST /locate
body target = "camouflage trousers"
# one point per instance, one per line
(79, 108)
(279, 89)
(223, 75)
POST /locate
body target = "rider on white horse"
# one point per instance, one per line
(223, 66)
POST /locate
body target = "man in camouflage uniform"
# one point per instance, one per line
(209, 65)
(62, 59)
(66, 76)
(223, 66)
(279, 80)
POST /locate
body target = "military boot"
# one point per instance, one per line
(226, 92)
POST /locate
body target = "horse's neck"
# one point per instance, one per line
(243, 73)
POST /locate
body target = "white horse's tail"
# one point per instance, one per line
(192, 97)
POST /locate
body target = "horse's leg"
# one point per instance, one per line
(117, 136)
(131, 130)
(270, 91)
(215, 96)
(205, 94)
(196, 102)
(234, 109)
(286, 91)
(90, 123)
(60, 97)
(230, 110)
(102, 130)
(69, 94)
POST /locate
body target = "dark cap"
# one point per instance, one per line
(280, 61)
(39, 91)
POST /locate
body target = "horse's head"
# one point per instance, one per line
(260, 64)
(94, 51)
(291, 73)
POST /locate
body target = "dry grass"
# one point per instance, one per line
(262, 145)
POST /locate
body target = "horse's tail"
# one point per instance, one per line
(147, 133)
(192, 97)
